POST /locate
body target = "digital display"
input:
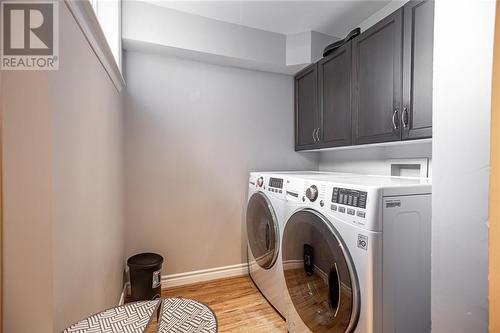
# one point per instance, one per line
(276, 182)
(349, 197)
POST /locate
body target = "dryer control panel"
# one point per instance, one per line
(349, 197)
(276, 183)
(267, 183)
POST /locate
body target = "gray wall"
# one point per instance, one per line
(461, 165)
(27, 234)
(193, 131)
(88, 236)
(63, 222)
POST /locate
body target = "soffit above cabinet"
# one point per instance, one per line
(285, 17)
(272, 36)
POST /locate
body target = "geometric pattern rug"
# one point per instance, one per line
(181, 315)
(128, 318)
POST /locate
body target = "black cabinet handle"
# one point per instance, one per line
(405, 117)
(394, 119)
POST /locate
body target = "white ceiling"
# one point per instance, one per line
(287, 17)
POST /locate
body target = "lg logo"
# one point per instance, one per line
(29, 35)
(363, 242)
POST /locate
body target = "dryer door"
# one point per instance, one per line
(319, 274)
(262, 230)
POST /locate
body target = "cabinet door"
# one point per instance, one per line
(306, 108)
(417, 69)
(377, 77)
(335, 98)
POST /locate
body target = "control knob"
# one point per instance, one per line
(260, 181)
(312, 193)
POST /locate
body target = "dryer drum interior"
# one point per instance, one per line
(262, 230)
(328, 299)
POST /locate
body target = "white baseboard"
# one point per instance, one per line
(122, 295)
(180, 279)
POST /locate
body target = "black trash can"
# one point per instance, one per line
(145, 276)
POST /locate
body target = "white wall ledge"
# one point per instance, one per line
(86, 19)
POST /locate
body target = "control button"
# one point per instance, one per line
(312, 193)
(360, 214)
(333, 207)
(280, 191)
(350, 211)
(260, 181)
(321, 203)
(341, 209)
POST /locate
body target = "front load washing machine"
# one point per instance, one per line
(356, 254)
(264, 225)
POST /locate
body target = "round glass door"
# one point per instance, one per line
(319, 274)
(262, 230)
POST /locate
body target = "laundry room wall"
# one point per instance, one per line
(63, 229)
(88, 236)
(193, 131)
(461, 164)
(494, 235)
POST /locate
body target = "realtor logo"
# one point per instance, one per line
(30, 39)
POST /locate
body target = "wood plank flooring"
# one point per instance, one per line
(237, 303)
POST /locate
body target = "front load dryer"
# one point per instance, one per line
(356, 254)
(264, 226)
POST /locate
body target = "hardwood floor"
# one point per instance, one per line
(236, 302)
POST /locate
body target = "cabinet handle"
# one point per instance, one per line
(317, 133)
(394, 117)
(405, 117)
(314, 137)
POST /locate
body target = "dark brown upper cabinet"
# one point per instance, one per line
(335, 98)
(376, 88)
(377, 81)
(306, 108)
(417, 69)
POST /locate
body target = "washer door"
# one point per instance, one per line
(262, 230)
(319, 274)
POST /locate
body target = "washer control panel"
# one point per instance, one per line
(349, 197)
